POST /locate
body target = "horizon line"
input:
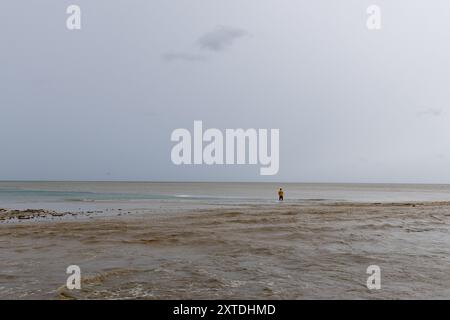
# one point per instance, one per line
(218, 181)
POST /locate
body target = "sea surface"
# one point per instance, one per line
(133, 195)
(226, 241)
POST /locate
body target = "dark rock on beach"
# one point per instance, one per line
(27, 214)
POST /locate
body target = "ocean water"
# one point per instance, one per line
(287, 251)
(98, 195)
(226, 241)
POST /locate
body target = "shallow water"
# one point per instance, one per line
(282, 251)
(78, 196)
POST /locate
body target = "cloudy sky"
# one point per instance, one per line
(100, 103)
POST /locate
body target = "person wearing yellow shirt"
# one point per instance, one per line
(280, 195)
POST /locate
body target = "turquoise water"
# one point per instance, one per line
(29, 194)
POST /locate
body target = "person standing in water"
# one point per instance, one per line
(280, 195)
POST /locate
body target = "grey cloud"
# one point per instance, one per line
(221, 38)
(436, 112)
(181, 56)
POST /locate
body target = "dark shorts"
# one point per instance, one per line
(280, 198)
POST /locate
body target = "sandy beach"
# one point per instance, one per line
(307, 250)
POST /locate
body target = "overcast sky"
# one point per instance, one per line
(352, 105)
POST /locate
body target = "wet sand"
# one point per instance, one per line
(278, 251)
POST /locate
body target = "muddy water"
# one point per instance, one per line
(288, 251)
